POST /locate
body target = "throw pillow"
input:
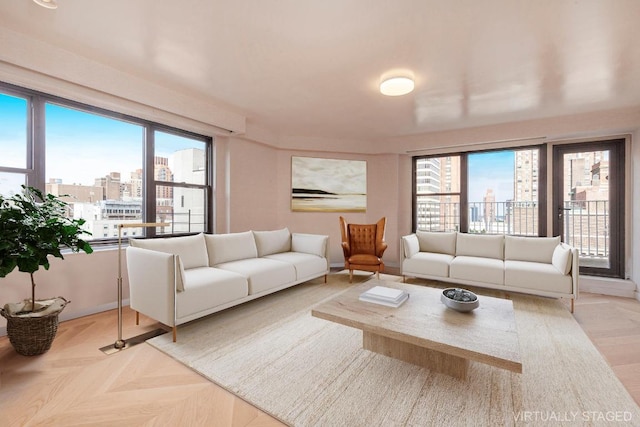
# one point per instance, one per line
(561, 259)
(230, 247)
(272, 242)
(437, 241)
(533, 249)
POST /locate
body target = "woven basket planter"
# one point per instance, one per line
(32, 335)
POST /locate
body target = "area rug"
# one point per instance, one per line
(307, 371)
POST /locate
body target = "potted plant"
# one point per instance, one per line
(32, 227)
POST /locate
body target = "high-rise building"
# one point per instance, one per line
(525, 176)
(111, 185)
(489, 201)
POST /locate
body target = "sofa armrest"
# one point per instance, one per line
(152, 283)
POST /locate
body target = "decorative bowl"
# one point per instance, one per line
(459, 299)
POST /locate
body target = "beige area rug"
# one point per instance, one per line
(308, 371)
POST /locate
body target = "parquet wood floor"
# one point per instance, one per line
(76, 384)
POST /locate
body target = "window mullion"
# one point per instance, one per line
(149, 214)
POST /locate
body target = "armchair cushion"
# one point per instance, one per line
(364, 259)
(362, 238)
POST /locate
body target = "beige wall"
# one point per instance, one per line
(252, 180)
(260, 182)
(253, 184)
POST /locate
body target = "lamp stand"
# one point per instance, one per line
(120, 343)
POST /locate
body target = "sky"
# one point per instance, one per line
(80, 146)
(491, 170)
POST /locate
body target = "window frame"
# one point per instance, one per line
(35, 171)
(464, 184)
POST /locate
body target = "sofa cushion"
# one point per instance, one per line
(437, 242)
(208, 288)
(314, 244)
(427, 264)
(484, 270)
(562, 259)
(306, 265)
(262, 273)
(536, 276)
(534, 249)
(191, 249)
(480, 245)
(230, 247)
(272, 242)
(410, 245)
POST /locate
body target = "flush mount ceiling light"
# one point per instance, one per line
(49, 4)
(396, 85)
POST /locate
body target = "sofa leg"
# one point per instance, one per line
(404, 279)
(175, 333)
(572, 301)
(325, 278)
(137, 318)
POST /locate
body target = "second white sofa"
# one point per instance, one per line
(533, 265)
(178, 279)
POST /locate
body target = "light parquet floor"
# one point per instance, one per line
(76, 384)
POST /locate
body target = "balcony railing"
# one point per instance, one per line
(518, 218)
(586, 227)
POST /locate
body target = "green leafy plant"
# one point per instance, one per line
(32, 227)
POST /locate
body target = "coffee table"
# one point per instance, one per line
(423, 331)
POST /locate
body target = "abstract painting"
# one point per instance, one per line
(328, 185)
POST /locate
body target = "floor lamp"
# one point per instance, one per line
(120, 343)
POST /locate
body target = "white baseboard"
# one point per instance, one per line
(608, 286)
(70, 314)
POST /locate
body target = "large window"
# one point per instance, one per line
(14, 146)
(437, 189)
(180, 177)
(493, 192)
(109, 167)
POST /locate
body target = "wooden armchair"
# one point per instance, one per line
(363, 246)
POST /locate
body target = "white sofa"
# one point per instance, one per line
(178, 279)
(533, 265)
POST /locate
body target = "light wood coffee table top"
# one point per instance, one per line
(425, 332)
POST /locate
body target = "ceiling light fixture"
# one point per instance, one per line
(396, 85)
(49, 4)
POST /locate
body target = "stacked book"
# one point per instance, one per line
(385, 296)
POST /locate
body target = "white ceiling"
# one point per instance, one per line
(311, 68)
